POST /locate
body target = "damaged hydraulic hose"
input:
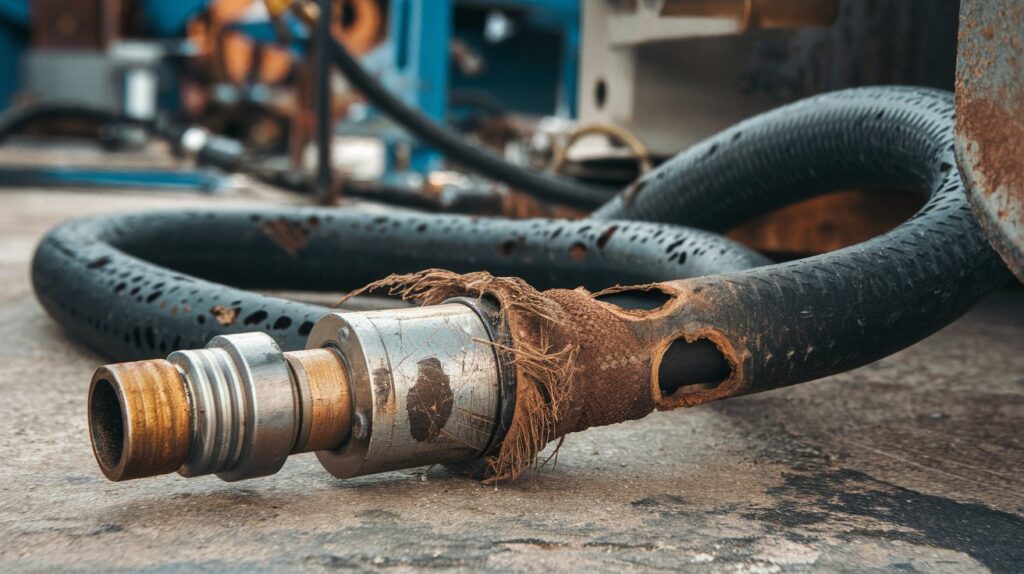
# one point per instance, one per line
(563, 360)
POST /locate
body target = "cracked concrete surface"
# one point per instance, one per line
(911, 464)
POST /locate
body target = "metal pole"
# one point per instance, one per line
(324, 119)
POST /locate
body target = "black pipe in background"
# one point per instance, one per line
(456, 149)
(324, 118)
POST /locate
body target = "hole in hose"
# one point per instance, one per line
(106, 424)
(688, 367)
(640, 300)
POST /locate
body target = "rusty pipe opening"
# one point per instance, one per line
(106, 425)
(688, 366)
(139, 419)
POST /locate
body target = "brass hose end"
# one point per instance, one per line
(236, 408)
(139, 419)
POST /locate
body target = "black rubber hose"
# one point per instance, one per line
(324, 117)
(452, 145)
(218, 151)
(127, 285)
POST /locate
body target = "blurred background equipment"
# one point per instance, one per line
(574, 90)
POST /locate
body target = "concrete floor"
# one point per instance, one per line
(915, 463)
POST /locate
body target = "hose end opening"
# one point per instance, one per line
(106, 425)
(139, 419)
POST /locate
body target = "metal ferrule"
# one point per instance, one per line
(425, 387)
(244, 416)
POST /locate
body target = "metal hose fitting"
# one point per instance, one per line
(373, 391)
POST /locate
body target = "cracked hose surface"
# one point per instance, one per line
(129, 286)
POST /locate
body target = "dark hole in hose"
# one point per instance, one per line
(605, 236)
(106, 424)
(687, 367)
(645, 300)
(255, 318)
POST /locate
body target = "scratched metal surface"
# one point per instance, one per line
(915, 463)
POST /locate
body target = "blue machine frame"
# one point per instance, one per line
(420, 34)
(415, 61)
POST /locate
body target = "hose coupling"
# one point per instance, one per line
(372, 392)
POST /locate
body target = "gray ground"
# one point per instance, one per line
(914, 463)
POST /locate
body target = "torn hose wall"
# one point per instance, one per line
(109, 279)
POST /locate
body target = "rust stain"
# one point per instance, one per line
(519, 205)
(577, 251)
(290, 235)
(990, 93)
(630, 194)
(990, 121)
(383, 389)
(225, 315)
(999, 142)
(429, 402)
